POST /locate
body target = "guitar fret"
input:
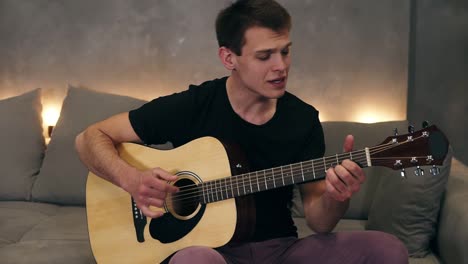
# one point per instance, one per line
(232, 188)
(216, 191)
(302, 171)
(292, 173)
(265, 178)
(258, 184)
(274, 179)
(225, 185)
(212, 195)
(243, 183)
(324, 165)
(250, 182)
(203, 193)
(313, 168)
(282, 176)
(337, 161)
(237, 183)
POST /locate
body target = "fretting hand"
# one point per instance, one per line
(345, 179)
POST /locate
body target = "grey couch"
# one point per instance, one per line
(42, 190)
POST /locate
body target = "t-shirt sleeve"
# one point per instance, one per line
(165, 118)
(314, 146)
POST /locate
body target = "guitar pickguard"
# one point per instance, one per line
(168, 229)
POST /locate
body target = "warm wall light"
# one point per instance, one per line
(50, 115)
(374, 116)
(368, 118)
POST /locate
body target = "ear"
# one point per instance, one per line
(227, 57)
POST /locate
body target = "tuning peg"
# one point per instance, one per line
(418, 171)
(395, 131)
(425, 123)
(435, 170)
(403, 173)
(411, 129)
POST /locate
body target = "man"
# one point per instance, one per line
(252, 108)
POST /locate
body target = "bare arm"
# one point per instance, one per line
(96, 148)
(325, 202)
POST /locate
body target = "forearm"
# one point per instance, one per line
(323, 214)
(98, 152)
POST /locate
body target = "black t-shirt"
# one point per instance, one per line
(293, 134)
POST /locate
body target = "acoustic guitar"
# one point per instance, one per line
(213, 208)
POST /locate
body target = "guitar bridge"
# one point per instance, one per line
(139, 221)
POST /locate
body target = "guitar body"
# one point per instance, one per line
(111, 217)
(212, 208)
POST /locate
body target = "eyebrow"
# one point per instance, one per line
(272, 50)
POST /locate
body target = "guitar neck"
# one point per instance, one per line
(268, 179)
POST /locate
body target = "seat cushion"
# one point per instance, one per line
(47, 252)
(43, 233)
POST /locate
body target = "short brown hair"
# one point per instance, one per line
(234, 20)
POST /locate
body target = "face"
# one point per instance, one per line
(263, 67)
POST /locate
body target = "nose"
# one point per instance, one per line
(280, 63)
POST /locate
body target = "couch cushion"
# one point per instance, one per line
(409, 208)
(22, 144)
(47, 252)
(67, 223)
(452, 235)
(62, 179)
(18, 218)
(43, 233)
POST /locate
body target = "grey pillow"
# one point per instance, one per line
(22, 144)
(409, 208)
(62, 179)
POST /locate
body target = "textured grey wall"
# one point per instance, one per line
(348, 56)
(438, 87)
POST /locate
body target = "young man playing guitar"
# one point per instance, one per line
(273, 127)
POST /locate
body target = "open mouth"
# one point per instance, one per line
(278, 80)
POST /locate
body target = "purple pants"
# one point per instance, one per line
(336, 248)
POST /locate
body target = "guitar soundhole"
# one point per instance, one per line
(186, 203)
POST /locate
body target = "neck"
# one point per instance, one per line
(248, 104)
(263, 180)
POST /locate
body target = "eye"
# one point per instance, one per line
(285, 52)
(263, 57)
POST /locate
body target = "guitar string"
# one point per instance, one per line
(329, 159)
(224, 189)
(265, 175)
(236, 188)
(221, 189)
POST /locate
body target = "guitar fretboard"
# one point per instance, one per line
(263, 180)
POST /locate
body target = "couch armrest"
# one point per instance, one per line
(452, 234)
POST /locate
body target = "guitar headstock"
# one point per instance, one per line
(424, 147)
